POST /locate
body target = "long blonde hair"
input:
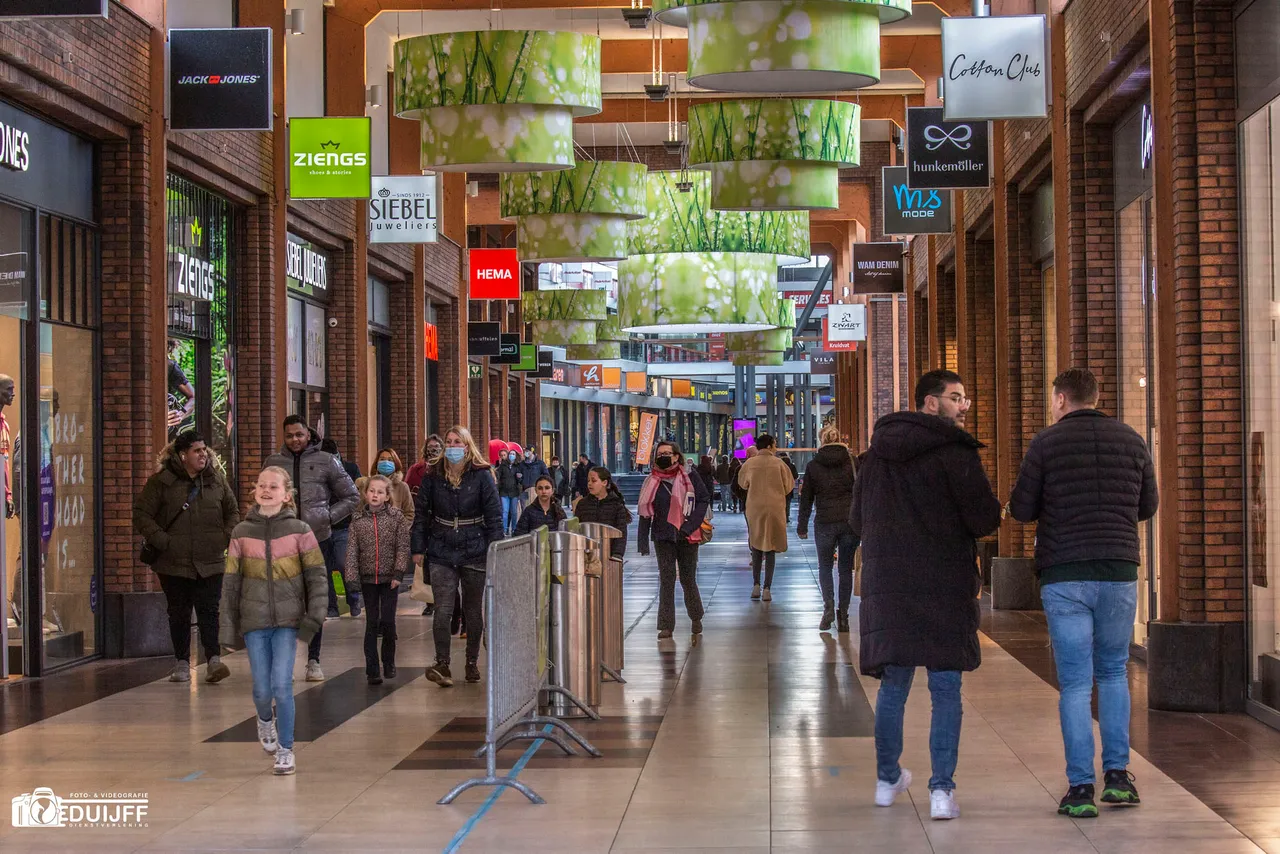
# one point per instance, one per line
(472, 458)
(830, 435)
(288, 484)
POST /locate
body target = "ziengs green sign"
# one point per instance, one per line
(330, 158)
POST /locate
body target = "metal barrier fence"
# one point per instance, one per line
(517, 617)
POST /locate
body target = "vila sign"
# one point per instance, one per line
(946, 155)
(877, 269)
(402, 209)
(495, 273)
(220, 79)
(329, 158)
(483, 339)
(995, 68)
(908, 211)
(822, 363)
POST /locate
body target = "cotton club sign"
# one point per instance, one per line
(495, 273)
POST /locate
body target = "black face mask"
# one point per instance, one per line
(664, 462)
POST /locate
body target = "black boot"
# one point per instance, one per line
(842, 622)
(828, 616)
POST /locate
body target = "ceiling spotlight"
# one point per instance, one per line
(657, 92)
(637, 18)
(673, 146)
(684, 186)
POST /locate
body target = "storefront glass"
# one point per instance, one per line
(307, 278)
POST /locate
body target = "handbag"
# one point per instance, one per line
(149, 554)
(703, 535)
(423, 592)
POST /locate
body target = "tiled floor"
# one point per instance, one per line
(756, 739)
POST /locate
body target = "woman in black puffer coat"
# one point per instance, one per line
(603, 503)
(828, 483)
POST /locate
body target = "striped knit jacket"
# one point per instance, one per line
(275, 578)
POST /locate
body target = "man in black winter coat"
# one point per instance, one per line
(920, 501)
(1088, 480)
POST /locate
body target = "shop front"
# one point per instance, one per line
(50, 395)
(431, 372)
(378, 386)
(307, 270)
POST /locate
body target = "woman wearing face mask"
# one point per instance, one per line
(458, 514)
(672, 507)
(543, 510)
(389, 466)
(509, 489)
(603, 503)
(432, 450)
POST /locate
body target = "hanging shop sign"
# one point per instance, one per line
(995, 67)
(546, 364)
(591, 376)
(509, 349)
(822, 363)
(220, 79)
(557, 375)
(644, 442)
(637, 382)
(721, 395)
(528, 359)
(611, 378)
(495, 273)
(431, 339)
(53, 9)
(847, 322)
(484, 339)
(877, 269)
(908, 211)
(834, 345)
(403, 209)
(329, 158)
(45, 166)
(946, 155)
(306, 268)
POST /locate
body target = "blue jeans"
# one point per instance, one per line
(830, 539)
(271, 654)
(944, 733)
(510, 513)
(1090, 624)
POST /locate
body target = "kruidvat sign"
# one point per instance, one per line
(403, 209)
(995, 68)
(908, 211)
(943, 155)
(220, 79)
(878, 268)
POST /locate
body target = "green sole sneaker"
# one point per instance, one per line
(1078, 810)
(1121, 797)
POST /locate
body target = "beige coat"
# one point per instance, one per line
(768, 482)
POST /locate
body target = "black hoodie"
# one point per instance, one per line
(920, 501)
(828, 482)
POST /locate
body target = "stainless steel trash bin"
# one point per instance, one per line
(611, 614)
(570, 647)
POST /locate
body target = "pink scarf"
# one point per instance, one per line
(681, 494)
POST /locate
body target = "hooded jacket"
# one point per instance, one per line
(920, 501)
(275, 578)
(378, 546)
(196, 543)
(612, 511)
(323, 492)
(828, 483)
(439, 503)
(530, 471)
(508, 483)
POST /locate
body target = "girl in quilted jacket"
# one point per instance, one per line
(377, 560)
(275, 594)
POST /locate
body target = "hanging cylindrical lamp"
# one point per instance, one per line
(695, 270)
(775, 154)
(609, 338)
(777, 340)
(577, 214)
(563, 317)
(497, 100)
(766, 359)
(782, 46)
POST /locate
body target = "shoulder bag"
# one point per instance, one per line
(149, 554)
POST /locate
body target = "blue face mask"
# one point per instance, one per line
(511, 457)
(386, 467)
(455, 455)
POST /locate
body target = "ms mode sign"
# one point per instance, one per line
(908, 211)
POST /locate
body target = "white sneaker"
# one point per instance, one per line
(942, 805)
(766, 596)
(755, 592)
(887, 793)
(285, 764)
(181, 671)
(267, 736)
(314, 673)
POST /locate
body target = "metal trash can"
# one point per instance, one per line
(575, 665)
(611, 614)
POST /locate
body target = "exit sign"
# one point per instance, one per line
(475, 372)
(495, 273)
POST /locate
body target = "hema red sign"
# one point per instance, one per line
(495, 274)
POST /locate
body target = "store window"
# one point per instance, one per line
(200, 250)
(431, 397)
(1260, 165)
(307, 269)
(379, 380)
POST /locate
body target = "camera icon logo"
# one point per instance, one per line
(38, 808)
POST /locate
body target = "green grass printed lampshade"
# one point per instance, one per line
(596, 352)
(564, 317)
(758, 360)
(697, 292)
(497, 100)
(577, 214)
(777, 154)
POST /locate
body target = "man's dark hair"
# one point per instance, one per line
(185, 440)
(765, 441)
(935, 383)
(290, 420)
(329, 446)
(1079, 385)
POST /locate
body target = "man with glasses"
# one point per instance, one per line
(1088, 480)
(920, 501)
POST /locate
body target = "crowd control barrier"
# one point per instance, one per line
(609, 615)
(517, 600)
(575, 666)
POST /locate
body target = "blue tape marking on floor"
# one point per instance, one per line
(190, 778)
(465, 830)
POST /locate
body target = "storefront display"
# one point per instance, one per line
(49, 399)
(307, 277)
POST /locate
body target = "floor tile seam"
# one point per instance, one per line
(640, 776)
